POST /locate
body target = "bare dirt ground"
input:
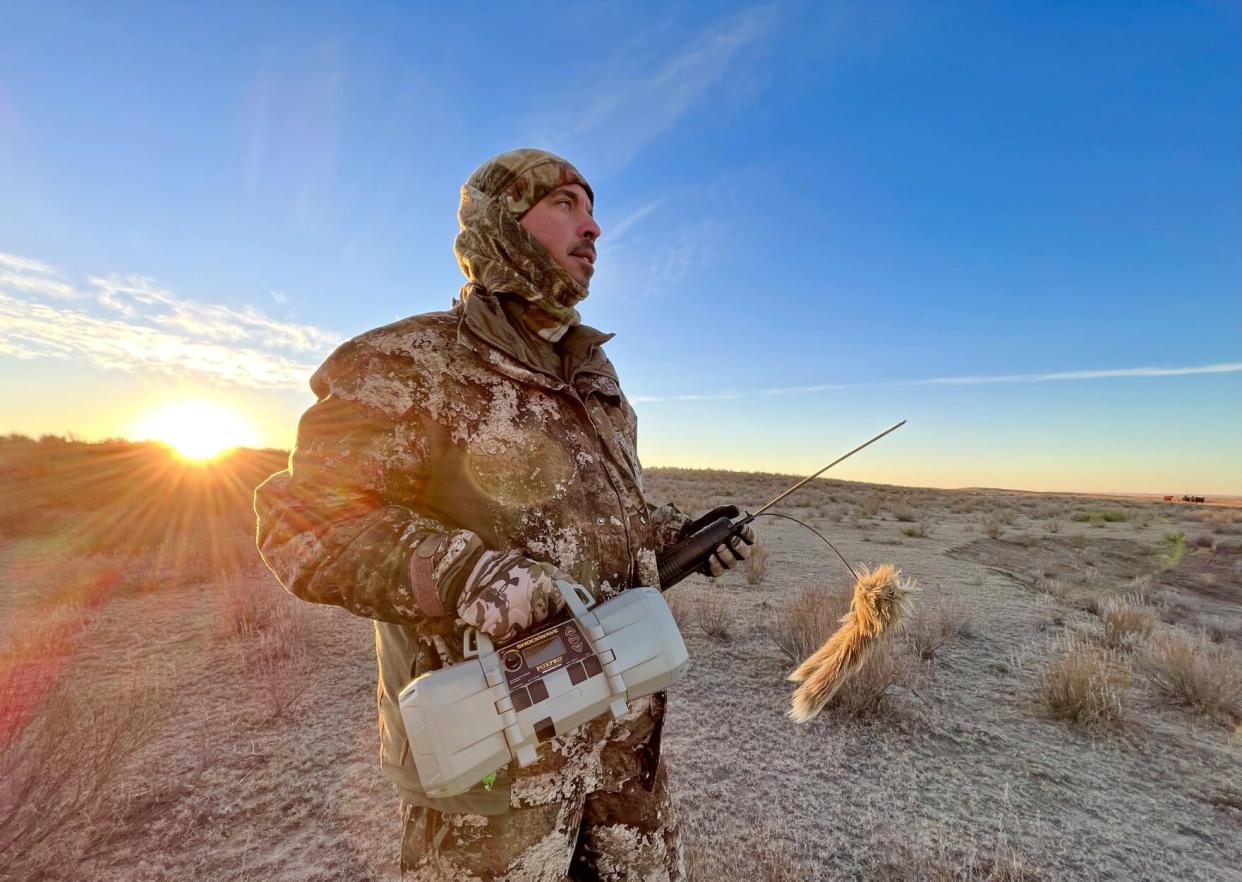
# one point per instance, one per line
(169, 715)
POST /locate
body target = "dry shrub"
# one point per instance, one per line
(1127, 622)
(753, 857)
(1069, 594)
(1167, 605)
(714, 616)
(920, 530)
(865, 694)
(940, 861)
(1204, 676)
(757, 564)
(270, 631)
(1053, 526)
(63, 768)
(993, 527)
(682, 611)
(809, 620)
(931, 629)
(1084, 684)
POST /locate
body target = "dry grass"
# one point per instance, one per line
(757, 564)
(1084, 684)
(865, 694)
(930, 630)
(64, 750)
(269, 631)
(1193, 671)
(993, 526)
(1127, 622)
(805, 625)
(919, 530)
(940, 860)
(807, 622)
(682, 611)
(714, 617)
(756, 857)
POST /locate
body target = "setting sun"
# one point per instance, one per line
(197, 430)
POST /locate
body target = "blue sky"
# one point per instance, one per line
(809, 210)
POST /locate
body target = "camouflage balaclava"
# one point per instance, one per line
(499, 255)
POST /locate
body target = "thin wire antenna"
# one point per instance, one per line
(768, 505)
(772, 514)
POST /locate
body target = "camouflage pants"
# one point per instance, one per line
(594, 807)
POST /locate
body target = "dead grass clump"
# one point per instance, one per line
(715, 617)
(683, 613)
(1204, 676)
(63, 768)
(919, 530)
(807, 623)
(269, 630)
(929, 631)
(1168, 605)
(1085, 685)
(1127, 622)
(942, 862)
(993, 527)
(754, 857)
(757, 564)
(865, 694)
(1053, 526)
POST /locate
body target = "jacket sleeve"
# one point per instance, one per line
(667, 522)
(331, 527)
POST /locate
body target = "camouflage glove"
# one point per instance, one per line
(726, 556)
(507, 593)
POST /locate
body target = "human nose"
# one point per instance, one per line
(589, 229)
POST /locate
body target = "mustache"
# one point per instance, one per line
(583, 248)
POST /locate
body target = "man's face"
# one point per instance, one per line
(562, 223)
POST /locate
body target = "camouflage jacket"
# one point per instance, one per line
(433, 439)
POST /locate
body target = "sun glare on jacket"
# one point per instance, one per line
(197, 430)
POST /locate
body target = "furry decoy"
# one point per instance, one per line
(879, 602)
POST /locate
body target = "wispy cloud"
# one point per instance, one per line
(975, 380)
(129, 323)
(32, 276)
(1224, 368)
(635, 98)
(24, 264)
(616, 231)
(722, 396)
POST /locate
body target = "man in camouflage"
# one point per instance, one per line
(455, 465)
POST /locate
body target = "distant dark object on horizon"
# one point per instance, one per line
(1186, 499)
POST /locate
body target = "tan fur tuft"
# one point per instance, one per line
(879, 602)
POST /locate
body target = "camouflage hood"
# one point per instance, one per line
(499, 255)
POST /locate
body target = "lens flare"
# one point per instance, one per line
(197, 430)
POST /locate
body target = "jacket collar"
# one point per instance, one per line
(484, 327)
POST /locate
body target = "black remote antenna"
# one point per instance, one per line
(689, 555)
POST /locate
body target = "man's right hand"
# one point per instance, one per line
(507, 593)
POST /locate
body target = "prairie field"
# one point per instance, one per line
(1063, 702)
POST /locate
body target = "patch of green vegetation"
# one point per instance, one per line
(1175, 543)
(1100, 518)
